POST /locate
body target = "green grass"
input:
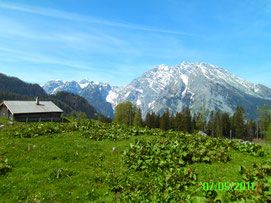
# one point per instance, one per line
(226, 172)
(68, 166)
(35, 160)
(267, 146)
(4, 121)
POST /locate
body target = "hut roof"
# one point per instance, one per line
(20, 107)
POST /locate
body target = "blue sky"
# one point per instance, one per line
(117, 41)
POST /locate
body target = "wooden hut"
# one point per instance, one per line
(30, 110)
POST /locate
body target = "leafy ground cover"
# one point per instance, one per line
(92, 161)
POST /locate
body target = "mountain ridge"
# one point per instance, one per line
(94, 92)
(174, 87)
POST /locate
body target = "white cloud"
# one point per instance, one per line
(75, 17)
(21, 55)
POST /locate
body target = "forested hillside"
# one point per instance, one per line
(15, 85)
(70, 102)
(5, 95)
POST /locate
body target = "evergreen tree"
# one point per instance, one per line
(157, 120)
(239, 123)
(211, 124)
(187, 120)
(226, 125)
(147, 120)
(150, 120)
(250, 129)
(165, 120)
(201, 122)
(171, 121)
(178, 122)
(194, 122)
(218, 125)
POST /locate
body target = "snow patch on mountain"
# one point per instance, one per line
(84, 85)
(138, 102)
(111, 97)
(184, 79)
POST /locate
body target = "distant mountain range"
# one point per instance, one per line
(188, 84)
(94, 93)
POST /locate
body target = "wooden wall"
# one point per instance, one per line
(4, 112)
(28, 117)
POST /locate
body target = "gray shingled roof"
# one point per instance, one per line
(17, 107)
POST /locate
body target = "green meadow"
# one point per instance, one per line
(89, 161)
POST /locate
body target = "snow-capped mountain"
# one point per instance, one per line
(51, 86)
(194, 85)
(84, 83)
(95, 93)
(188, 84)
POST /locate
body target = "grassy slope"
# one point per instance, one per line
(82, 165)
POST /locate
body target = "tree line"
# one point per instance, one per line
(218, 124)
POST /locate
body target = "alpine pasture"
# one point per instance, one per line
(86, 160)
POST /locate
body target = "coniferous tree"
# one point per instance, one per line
(239, 123)
(178, 122)
(150, 120)
(187, 120)
(165, 120)
(171, 121)
(211, 124)
(250, 129)
(157, 121)
(226, 125)
(218, 125)
(233, 127)
(194, 122)
(201, 120)
(153, 120)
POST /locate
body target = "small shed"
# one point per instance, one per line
(30, 110)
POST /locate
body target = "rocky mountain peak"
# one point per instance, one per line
(189, 84)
